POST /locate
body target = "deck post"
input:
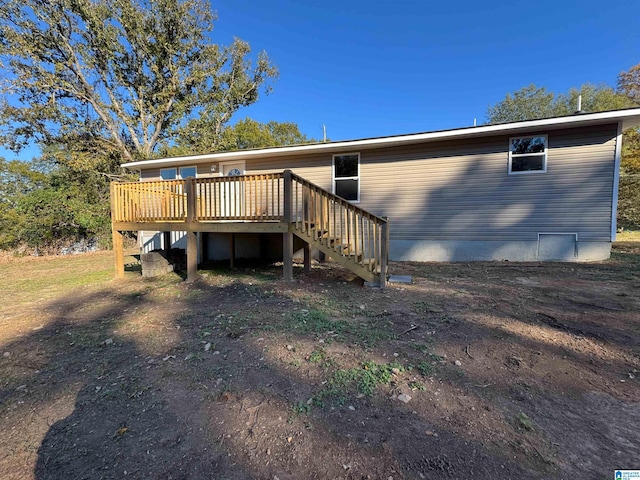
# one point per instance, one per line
(192, 256)
(192, 236)
(118, 252)
(116, 236)
(384, 252)
(287, 256)
(307, 257)
(287, 238)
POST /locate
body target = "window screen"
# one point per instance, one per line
(346, 176)
(528, 154)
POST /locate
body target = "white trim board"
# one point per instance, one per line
(616, 184)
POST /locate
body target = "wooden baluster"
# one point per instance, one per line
(365, 237)
(327, 227)
(198, 201)
(259, 198)
(384, 251)
(287, 244)
(320, 231)
(335, 226)
(348, 226)
(216, 199)
(212, 199)
(372, 244)
(375, 242)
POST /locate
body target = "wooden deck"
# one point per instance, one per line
(264, 203)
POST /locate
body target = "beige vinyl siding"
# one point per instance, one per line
(150, 175)
(462, 191)
(314, 168)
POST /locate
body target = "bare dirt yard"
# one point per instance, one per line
(476, 370)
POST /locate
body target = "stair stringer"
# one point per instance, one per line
(346, 260)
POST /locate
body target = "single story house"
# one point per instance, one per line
(522, 191)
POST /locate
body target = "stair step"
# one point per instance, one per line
(356, 256)
(368, 262)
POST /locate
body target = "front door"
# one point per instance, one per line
(232, 189)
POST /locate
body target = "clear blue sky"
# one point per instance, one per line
(374, 68)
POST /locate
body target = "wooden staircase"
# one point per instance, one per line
(350, 235)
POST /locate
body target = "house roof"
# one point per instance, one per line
(627, 118)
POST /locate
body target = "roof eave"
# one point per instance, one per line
(629, 118)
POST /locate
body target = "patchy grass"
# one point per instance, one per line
(363, 379)
(524, 422)
(320, 323)
(314, 321)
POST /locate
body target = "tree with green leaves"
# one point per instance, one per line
(17, 179)
(243, 134)
(102, 80)
(533, 102)
(629, 84)
(42, 203)
(249, 133)
(99, 82)
(629, 192)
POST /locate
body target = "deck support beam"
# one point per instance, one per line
(118, 252)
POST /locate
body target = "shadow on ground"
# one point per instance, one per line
(217, 379)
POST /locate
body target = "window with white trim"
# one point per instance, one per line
(346, 176)
(172, 173)
(528, 154)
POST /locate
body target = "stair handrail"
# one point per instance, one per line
(380, 250)
(337, 198)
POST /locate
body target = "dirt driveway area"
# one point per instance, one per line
(476, 370)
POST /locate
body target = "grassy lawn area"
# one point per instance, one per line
(29, 279)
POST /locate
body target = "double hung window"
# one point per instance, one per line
(178, 173)
(528, 154)
(346, 176)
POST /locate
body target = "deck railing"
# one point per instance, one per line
(241, 198)
(247, 198)
(149, 201)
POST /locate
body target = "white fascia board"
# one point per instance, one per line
(629, 117)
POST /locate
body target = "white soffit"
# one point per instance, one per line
(629, 118)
